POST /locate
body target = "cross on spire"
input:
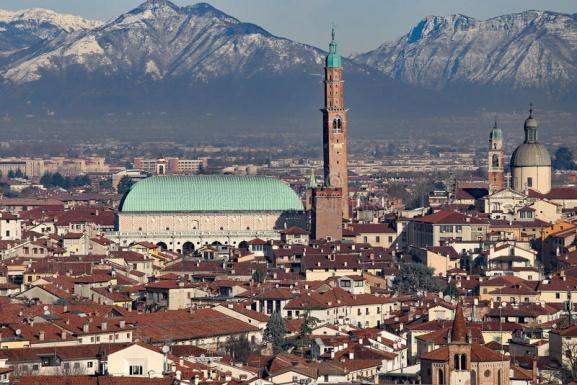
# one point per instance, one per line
(495, 126)
(531, 109)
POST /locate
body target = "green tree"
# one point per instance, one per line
(451, 290)
(415, 277)
(46, 180)
(275, 332)
(11, 174)
(563, 159)
(124, 185)
(258, 276)
(305, 331)
(19, 174)
(59, 181)
(239, 348)
(105, 184)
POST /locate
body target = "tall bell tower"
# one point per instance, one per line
(496, 169)
(335, 127)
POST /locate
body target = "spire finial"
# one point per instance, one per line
(531, 109)
(495, 126)
(333, 32)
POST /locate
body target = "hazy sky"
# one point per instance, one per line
(361, 24)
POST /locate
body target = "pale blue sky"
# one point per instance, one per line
(361, 24)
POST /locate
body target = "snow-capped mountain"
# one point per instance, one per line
(27, 27)
(159, 39)
(185, 60)
(532, 49)
(23, 31)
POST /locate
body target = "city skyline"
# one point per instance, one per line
(358, 30)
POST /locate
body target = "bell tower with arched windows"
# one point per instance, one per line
(335, 127)
(496, 169)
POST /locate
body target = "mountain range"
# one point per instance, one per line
(213, 71)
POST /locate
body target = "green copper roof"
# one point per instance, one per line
(210, 193)
(496, 132)
(333, 58)
(312, 180)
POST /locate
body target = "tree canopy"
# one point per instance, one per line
(275, 332)
(415, 277)
(451, 290)
(58, 180)
(124, 185)
(563, 159)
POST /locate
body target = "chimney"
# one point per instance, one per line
(85, 328)
(122, 324)
(64, 334)
(41, 335)
(351, 355)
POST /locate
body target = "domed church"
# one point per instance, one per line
(531, 163)
(183, 213)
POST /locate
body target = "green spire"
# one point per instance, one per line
(333, 58)
(312, 180)
(496, 132)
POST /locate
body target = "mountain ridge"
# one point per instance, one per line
(530, 49)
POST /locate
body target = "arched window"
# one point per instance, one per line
(495, 161)
(457, 363)
(337, 125)
(463, 362)
(473, 378)
(499, 377)
(441, 377)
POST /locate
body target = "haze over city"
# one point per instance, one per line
(288, 193)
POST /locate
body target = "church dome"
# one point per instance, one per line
(531, 155)
(210, 193)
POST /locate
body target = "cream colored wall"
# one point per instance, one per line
(541, 178)
(287, 378)
(152, 362)
(186, 222)
(374, 316)
(322, 275)
(499, 336)
(181, 298)
(371, 238)
(546, 211)
(440, 313)
(440, 264)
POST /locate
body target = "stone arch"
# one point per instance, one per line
(163, 246)
(441, 379)
(188, 248)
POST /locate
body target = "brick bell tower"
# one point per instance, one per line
(496, 169)
(335, 127)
